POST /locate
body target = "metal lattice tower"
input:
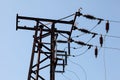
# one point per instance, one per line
(45, 54)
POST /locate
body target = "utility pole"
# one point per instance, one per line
(52, 57)
(44, 53)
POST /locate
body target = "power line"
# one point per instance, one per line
(73, 73)
(80, 53)
(66, 77)
(86, 31)
(96, 25)
(50, 32)
(92, 17)
(97, 34)
(88, 49)
(104, 61)
(113, 21)
(95, 18)
(109, 48)
(67, 16)
(80, 67)
(62, 18)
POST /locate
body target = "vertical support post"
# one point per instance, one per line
(39, 51)
(33, 50)
(69, 39)
(32, 57)
(52, 57)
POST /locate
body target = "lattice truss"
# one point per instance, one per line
(48, 55)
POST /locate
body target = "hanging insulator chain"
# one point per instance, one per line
(96, 52)
(107, 26)
(101, 41)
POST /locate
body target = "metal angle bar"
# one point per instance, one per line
(65, 62)
(62, 41)
(38, 76)
(32, 56)
(61, 51)
(33, 77)
(41, 61)
(39, 50)
(47, 30)
(43, 19)
(63, 65)
(59, 64)
(44, 59)
(44, 67)
(52, 65)
(41, 77)
(61, 54)
(76, 14)
(46, 47)
(46, 43)
(62, 31)
(45, 53)
(60, 71)
(46, 34)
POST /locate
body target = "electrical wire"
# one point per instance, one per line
(94, 26)
(77, 48)
(94, 46)
(63, 35)
(95, 18)
(67, 16)
(66, 77)
(98, 34)
(104, 61)
(112, 21)
(97, 46)
(107, 47)
(62, 18)
(90, 30)
(80, 53)
(103, 41)
(80, 67)
(70, 47)
(111, 36)
(73, 73)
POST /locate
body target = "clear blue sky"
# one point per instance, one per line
(16, 46)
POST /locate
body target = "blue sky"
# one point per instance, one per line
(16, 46)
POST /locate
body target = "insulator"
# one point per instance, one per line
(93, 35)
(101, 40)
(74, 27)
(99, 21)
(79, 42)
(73, 55)
(89, 16)
(107, 26)
(61, 41)
(96, 52)
(84, 30)
(89, 47)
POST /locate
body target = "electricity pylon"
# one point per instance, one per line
(45, 54)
